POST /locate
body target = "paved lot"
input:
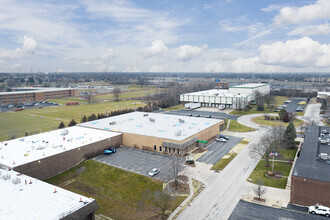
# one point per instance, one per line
(217, 115)
(41, 105)
(140, 161)
(216, 150)
(294, 104)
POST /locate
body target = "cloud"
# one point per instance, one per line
(29, 47)
(188, 52)
(302, 52)
(240, 25)
(319, 10)
(271, 8)
(109, 55)
(321, 29)
(132, 69)
(214, 66)
(157, 48)
(157, 68)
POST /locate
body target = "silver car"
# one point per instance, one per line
(153, 172)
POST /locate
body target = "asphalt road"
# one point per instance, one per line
(41, 105)
(294, 104)
(312, 113)
(217, 115)
(216, 150)
(140, 161)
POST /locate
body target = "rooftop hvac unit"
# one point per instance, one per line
(181, 120)
(64, 132)
(324, 156)
(16, 181)
(145, 115)
(6, 177)
(112, 123)
(152, 120)
(216, 94)
(178, 133)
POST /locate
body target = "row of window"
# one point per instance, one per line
(169, 150)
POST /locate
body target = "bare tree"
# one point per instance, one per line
(257, 96)
(269, 99)
(239, 104)
(263, 148)
(174, 170)
(89, 95)
(277, 133)
(116, 93)
(259, 190)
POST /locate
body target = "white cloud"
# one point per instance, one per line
(157, 48)
(252, 64)
(109, 55)
(302, 52)
(157, 68)
(321, 29)
(240, 25)
(132, 69)
(29, 47)
(319, 10)
(29, 44)
(215, 66)
(187, 52)
(271, 8)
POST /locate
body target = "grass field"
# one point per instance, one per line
(174, 108)
(63, 101)
(17, 123)
(221, 164)
(237, 127)
(261, 120)
(117, 192)
(282, 167)
(128, 95)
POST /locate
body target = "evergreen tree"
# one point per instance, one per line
(286, 117)
(61, 125)
(92, 117)
(26, 134)
(289, 136)
(281, 113)
(324, 104)
(72, 123)
(84, 119)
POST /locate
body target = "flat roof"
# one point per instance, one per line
(249, 85)
(249, 210)
(35, 147)
(34, 90)
(24, 197)
(154, 124)
(307, 165)
(217, 92)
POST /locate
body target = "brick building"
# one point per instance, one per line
(33, 94)
(310, 181)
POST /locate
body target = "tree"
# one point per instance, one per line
(84, 119)
(31, 80)
(116, 93)
(263, 148)
(61, 125)
(72, 123)
(174, 170)
(259, 190)
(89, 95)
(269, 99)
(277, 133)
(257, 96)
(289, 136)
(92, 117)
(324, 104)
(286, 117)
(26, 134)
(281, 113)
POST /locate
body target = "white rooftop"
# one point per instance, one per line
(34, 90)
(24, 197)
(31, 148)
(154, 124)
(249, 85)
(217, 92)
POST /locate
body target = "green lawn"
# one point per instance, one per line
(261, 120)
(138, 87)
(117, 192)
(128, 95)
(17, 123)
(279, 100)
(174, 108)
(237, 127)
(221, 164)
(283, 167)
(63, 101)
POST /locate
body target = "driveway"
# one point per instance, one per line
(312, 113)
(216, 150)
(294, 104)
(140, 161)
(217, 115)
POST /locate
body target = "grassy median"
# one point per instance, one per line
(237, 127)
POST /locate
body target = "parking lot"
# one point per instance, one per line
(294, 104)
(6, 108)
(217, 115)
(216, 150)
(140, 161)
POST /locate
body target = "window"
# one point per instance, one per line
(169, 150)
(155, 147)
(173, 150)
(178, 151)
(165, 149)
(160, 148)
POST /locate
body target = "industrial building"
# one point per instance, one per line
(24, 197)
(158, 132)
(235, 97)
(35, 94)
(310, 181)
(47, 154)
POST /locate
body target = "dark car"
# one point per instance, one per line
(109, 151)
(224, 136)
(208, 116)
(197, 115)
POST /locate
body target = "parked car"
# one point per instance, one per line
(197, 115)
(275, 110)
(224, 136)
(319, 210)
(109, 151)
(287, 102)
(221, 140)
(153, 172)
(222, 107)
(190, 115)
(208, 116)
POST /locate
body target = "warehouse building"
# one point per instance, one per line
(47, 154)
(34, 94)
(235, 97)
(24, 197)
(158, 132)
(310, 181)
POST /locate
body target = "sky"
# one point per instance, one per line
(165, 36)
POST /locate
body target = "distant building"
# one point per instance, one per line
(310, 181)
(35, 94)
(235, 97)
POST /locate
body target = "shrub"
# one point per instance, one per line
(260, 108)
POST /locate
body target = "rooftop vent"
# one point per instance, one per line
(152, 120)
(64, 132)
(181, 120)
(145, 115)
(112, 123)
(6, 177)
(16, 181)
(178, 133)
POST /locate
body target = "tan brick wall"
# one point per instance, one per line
(308, 192)
(39, 96)
(53, 165)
